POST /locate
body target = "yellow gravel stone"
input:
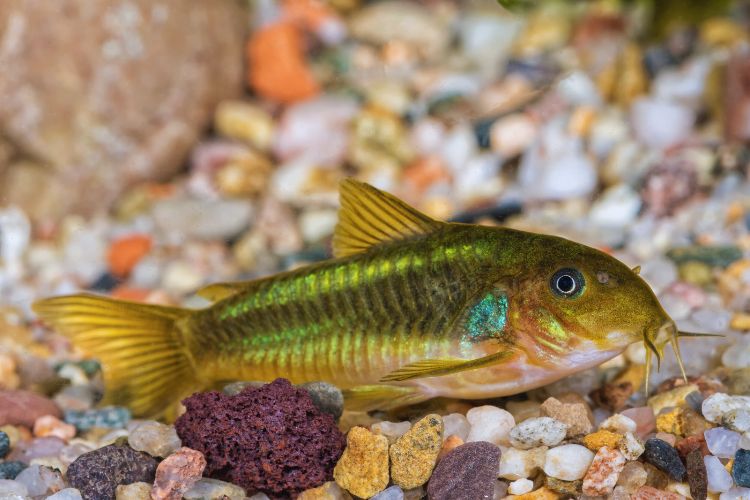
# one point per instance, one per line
(673, 398)
(740, 321)
(363, 468)
(328, 491)
(413, 455)
(671, 422)
(598, 439)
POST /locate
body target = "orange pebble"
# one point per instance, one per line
(277, 69)
(49, 425)
(313, 14)
(125, 252)
(424, 172)
(451, 442)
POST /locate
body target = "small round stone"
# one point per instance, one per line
(568, 462)
(326, 397)
(521, 464)
(177, 473)
(539, 431)
(664, 457)
(156, 439)
(520, 486)
(489, 423)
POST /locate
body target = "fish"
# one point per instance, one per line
(409, 308)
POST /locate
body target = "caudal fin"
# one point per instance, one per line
(146, 363)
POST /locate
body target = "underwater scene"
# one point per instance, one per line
(374, 249)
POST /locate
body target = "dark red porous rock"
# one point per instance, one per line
(467, 472)
(270, 438)
(24, 407)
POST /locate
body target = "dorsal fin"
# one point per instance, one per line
(368, 217)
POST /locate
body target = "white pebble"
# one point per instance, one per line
(520, 464)
(520, 486)
(736, 493)
(631, 446)
(489, 423)
(618, 423)
(66, 494)
(659, 123)
(391, 430)
(538, 431)
(738, 355)
(568, 462)
(207, 488)
(716, 405)
(13, 490)
(737, 420)
(722, 442)
(456, 424)
(719, 479)
(391, 493)
(155, 438)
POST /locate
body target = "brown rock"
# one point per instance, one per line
(108, 94)
(614, 397)
(691, 443)
(24, 407)
(574, 415)
(649, 493)
(178, 473)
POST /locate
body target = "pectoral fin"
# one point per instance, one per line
(381, 397)
(437, 367)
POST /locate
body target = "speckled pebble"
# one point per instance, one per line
(177, 473)
(601, 477)
(113, 417)
(696, 475)
(741, 468)
(665, 458)
(539, 431)
(10, 469)
(717, 405)
(466, 473)
(414, 454)
(4, 444)
(567, 462)
(98, 473)
(630, 446)
(363, 468)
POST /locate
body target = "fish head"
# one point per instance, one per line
(576, 299)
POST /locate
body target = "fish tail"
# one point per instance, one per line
(144, 351)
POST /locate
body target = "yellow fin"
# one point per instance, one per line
(145, 362)
(380, 397)
(437, 367)
(369, 217)
(219, 291)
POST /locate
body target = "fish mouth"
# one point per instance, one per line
(656, 341)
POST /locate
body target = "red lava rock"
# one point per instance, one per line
(697, 476)
(270, 438)
(691, 443)
(178, 473)
(24, 407)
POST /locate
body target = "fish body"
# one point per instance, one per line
(409, 309)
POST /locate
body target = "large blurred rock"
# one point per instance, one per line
(96, 95)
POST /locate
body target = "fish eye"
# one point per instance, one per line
(567, 283)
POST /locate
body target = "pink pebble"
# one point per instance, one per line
(49, 425)
(644, 419)
(178, 473)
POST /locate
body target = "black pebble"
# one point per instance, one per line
(741, 468)
(105, 283)
(665, 458)
(4, 444)
(9, 470)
